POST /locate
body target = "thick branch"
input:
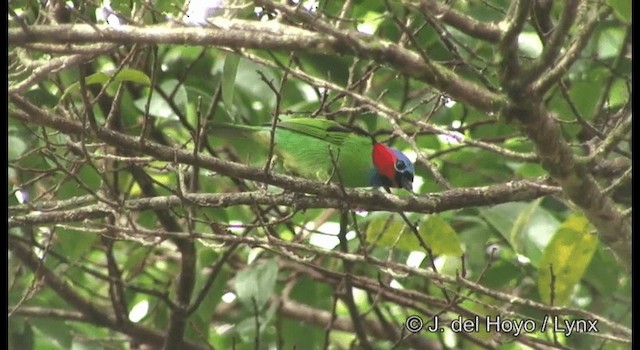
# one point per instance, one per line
(466, 24)
(275, 36)
(577, 183)
(411, 298)
(91, 312)
(186, 278)
(515, 21)
(556, 71)
(554, 45)
(57, 64)
(365, 200)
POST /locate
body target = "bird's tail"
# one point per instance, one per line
(222, 128)
(230, 132)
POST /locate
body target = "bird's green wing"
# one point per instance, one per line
(312, 148)
(325, 130)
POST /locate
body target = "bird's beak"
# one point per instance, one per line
(407, 185)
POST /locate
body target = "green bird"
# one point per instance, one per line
(307, 147)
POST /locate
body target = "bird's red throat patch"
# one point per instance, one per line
(384, 160)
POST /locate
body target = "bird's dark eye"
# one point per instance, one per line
(400, 166)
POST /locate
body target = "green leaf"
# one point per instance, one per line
(619, 94)
(57, 331)
(122, 7)
(440, 236)
(622, 9)
(384, 230)
(610, 42)
(20, 334)
(229, 72)
(603, 271)
(158, 106)
(88, 175)
(535, 228)
(74, 244)
(527, 170)
(16, 147)
(218, 288)
(248, 89)
(569, 253)
(370, 22)
(391, 231)
(501, 274)
(42, 97)
(125, 74)
(256, 282)
(136, 259)
(197, 329)
(247, 327)
(517, 231)
(316, 295)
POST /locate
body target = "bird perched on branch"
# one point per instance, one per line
(325, 150)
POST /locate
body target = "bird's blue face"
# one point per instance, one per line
(404, 171)
(391, 168)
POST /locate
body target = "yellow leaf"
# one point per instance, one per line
(568, 254)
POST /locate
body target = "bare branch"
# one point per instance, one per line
(557, 158)
(554, 45)
(355, 199)
(468, 25)
(270, 35)
(557, 70)
(90, 311)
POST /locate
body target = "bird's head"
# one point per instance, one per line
(392, 168)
